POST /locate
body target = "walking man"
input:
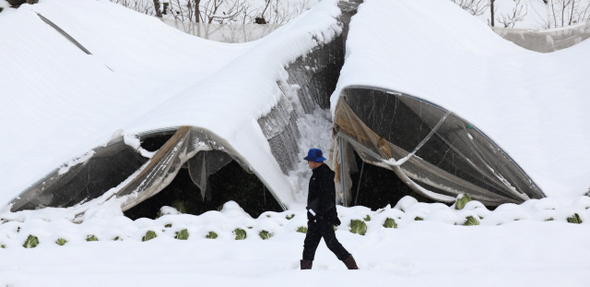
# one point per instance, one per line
(321, 213)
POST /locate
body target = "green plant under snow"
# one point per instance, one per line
(574, 219)
(182, 235)
(389, 223)
(149, 235)
(358, 227)
(265, 234)
(462, 200)
(211, 235)
(31, 242)
(240, 234)
(470, 220)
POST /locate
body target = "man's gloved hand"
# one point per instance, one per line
(337, 221)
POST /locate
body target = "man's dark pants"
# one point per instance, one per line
(316, 230)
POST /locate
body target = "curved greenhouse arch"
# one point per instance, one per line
(433, 151)
(124, 173)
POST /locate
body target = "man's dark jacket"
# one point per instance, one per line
(322, 196)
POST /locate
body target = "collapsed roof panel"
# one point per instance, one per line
(105, 168)
(438, 153)
(228, 90)
(531, 105)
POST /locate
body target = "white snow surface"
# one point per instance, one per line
(57, 103)
(513, 246)
(533, 105)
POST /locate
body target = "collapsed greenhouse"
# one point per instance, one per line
(436, 153)
(192, 167)
(234, 132)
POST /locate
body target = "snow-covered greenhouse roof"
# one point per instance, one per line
(75, 88)
(533, 106)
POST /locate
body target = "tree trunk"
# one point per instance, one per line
(492, 12)
(197, 11)
(157, 8)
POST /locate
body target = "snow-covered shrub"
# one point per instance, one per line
(211, 235)
(462, 200)
(265, 234)
(574, 219)
(179, 205)
(302, 229)
(91, 238)
(61, 241)
(289, 217)
(149, 235)
(405, 202)
(31, 242)
(389, 223)
(358, 227)
(470, 220)
(182, 235)
(240, 234)
(367, 218)
(167, 210)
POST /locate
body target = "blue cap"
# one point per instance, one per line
(315, 154)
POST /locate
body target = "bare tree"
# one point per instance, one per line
(509, 20)
(157, 8)
(280, 12)
(236, 11)
(207, 11)
(474, 7)
(562, 13)
(142, 6)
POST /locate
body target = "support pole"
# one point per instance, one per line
(344, 201)
(358, 187)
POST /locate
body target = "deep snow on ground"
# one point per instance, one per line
(137, 69)
(515, 245)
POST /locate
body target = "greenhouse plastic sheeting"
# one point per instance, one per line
(134, 178)
(203, 165)
(546, 41)
(161, 169)
(436, 153)
(106, 168)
